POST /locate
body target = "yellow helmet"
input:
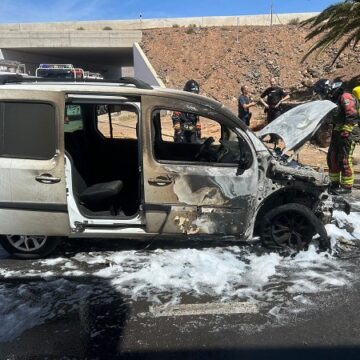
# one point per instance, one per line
(356, 92)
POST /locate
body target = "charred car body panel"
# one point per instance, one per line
(200, 197)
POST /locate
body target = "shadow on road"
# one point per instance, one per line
(81, 317)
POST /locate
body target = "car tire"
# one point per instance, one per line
(292, 226)
(29, 246)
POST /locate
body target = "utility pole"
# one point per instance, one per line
(237, 24)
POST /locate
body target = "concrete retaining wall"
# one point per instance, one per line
(143, 69)
(77, 39)
(260, 20)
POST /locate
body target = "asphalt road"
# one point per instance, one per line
(103, 324)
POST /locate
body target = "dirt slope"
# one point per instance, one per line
(221, 59)
(224, 58)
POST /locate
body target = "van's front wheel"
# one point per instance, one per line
(29, 246)
(292, 226)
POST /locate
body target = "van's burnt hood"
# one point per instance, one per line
(299, 124)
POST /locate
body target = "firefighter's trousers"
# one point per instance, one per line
(340, 160)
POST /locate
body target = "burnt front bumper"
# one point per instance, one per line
(328, 203)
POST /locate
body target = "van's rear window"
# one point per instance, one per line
(28, 130)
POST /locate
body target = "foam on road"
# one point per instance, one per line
(255, 280)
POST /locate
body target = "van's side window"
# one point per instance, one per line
(189, 137)
(28, 130)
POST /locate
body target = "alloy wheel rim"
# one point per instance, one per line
(290, 230)
(27, 243)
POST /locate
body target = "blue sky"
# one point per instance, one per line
(66, 10)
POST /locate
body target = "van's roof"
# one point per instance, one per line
(104, 87)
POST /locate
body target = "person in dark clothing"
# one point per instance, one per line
(274, 95)
(245, 102)
(187, 127)
(344, 136)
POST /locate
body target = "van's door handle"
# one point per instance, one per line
(47, 179)
(161, 180)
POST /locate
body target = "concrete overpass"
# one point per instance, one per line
(107, 52)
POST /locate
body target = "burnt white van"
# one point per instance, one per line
(98, 159)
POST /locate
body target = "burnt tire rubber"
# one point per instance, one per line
(47, 247)
(292, 226)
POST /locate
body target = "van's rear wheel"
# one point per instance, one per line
(29, 246)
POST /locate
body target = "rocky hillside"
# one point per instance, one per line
(221, 59)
